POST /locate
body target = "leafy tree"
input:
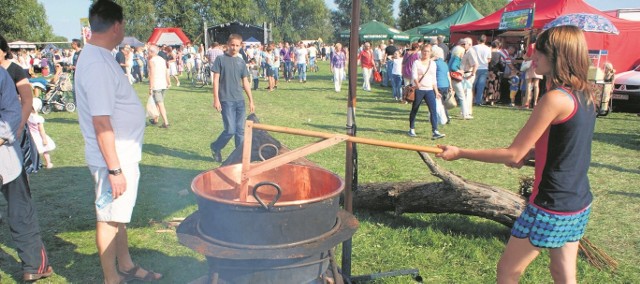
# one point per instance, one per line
(414, 13)
(295, 20)
(139, 16)
(24, 20)
(190, 15)
(379, 10)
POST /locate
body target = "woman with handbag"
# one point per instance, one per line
(455, 66)
(423, 75)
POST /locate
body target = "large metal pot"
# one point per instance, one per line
(287, 204)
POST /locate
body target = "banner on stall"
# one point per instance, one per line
(517, 20)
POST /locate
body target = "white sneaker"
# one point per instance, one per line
(437, 135)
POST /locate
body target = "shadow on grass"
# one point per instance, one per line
(302, 89)
(159, 150)
(339, 129)
(628, 140)
(451, 224)
(192, 90)
(64, 199)
(615, 168)
(365, 99)
(63, 120)
(631, 117)
(627, 194)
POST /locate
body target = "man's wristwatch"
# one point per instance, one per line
(115, 172)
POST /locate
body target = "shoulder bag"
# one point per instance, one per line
(409, 92)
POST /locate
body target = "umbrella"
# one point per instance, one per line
(131, 41)
(586, 22)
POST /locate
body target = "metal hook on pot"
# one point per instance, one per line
(267, 145)
(275, 199)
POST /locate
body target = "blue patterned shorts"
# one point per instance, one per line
(548, 230)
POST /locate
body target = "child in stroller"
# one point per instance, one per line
(56, 93)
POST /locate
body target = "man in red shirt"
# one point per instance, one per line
(366, 61)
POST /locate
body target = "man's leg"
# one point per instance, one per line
(228, 121)
(107, 247)
(23, 222)
(239, 120)
(479, 84)
(158, 96)
(366, 75)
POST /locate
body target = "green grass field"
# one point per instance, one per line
(446, 248)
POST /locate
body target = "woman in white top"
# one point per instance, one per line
(423, 76)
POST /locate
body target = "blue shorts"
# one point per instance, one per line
(548, 230)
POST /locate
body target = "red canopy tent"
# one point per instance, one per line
(168, 36)
(622, 48)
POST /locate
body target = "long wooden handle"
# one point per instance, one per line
(368, 141)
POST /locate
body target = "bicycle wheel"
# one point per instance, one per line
(197, 80)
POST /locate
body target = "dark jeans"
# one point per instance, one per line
(479, 84)
(233, 118)
(23, 224)
(255, 83)
(396, 86)
(429, 96)
(387, 76)
(136, 73)
(288, 75)
(444, 92)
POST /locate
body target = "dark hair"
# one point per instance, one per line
(496, 44)
(103, 14)
(5, 48)
(77, 42)
(482, 39)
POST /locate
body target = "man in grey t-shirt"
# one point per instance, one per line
(230, 77)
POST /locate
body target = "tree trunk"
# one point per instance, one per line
(453, 195)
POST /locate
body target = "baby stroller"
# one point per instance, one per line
(58, 96)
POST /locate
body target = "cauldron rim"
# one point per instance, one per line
(281, 204)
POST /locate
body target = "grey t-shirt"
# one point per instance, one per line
(232, 70)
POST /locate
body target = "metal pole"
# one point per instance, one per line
(350, 171)
(204, 25)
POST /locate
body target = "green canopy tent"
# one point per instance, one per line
(466, 14)
(375, 30)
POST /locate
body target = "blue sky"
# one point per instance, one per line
(64, 15)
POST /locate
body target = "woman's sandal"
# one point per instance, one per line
(131, 275)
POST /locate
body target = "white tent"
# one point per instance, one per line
(21, 44)
(251, 41)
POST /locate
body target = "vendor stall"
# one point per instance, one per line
(622, 48)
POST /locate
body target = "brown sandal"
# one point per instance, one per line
(131, 275)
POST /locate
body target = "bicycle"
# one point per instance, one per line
(201, 76)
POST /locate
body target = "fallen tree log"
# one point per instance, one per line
(453, 195)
